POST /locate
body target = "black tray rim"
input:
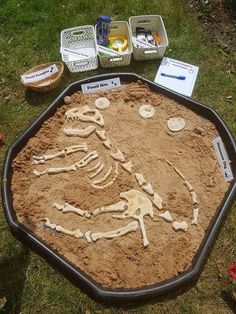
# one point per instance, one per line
(72, 272)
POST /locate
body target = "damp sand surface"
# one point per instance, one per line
(123, 262)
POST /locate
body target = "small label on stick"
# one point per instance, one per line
(100, 85)
(223, 158)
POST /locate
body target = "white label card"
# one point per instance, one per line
(39, 75)
(100, 85)
(223, 158)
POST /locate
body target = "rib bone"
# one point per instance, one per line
(83, 132)
(87, 159)
(132, 226)
(101, 187)
(120, 206)
(104, 177)
(97, 172)
(118, 156)
(183, 226)
(67, 208)
(95, 167)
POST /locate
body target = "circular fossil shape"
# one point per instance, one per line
(146, 111)
(102, 103)
(176, 124)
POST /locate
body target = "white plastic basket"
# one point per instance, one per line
(79, 48)
(155, 24)
(124, 58)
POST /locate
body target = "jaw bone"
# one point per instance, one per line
(85, 114)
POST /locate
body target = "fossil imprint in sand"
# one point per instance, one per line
(134, 204)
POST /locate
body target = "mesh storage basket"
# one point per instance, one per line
(79, 49)
(118, 28)
(155, 24)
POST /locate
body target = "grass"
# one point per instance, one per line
(29, 35)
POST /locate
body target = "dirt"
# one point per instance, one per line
(123, 262)
(219, 20)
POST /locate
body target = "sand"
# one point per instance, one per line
(123, 262)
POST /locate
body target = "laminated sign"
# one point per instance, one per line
(223, 158)
(39, 75)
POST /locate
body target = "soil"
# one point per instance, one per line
(219, 20)
(123, 262)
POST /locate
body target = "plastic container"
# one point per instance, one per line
(118, 28)
(173, 285)
(155, 24)
(79, 49)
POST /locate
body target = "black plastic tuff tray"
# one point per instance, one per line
(178, 283)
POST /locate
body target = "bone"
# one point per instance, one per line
(48, 224)
(179, 173)
(102, 103)
(101, 187)
(132, 226)
(139, 206)
(140, 179)
(166, 216)
(195, 216)
(97, 118)
(194, 197)
(97, 172)
(128, 166)
(180, 226)
(94, 167)
(104, 177)
(107, 143)
(76, 148)
(77, 233)
(67, 151)
(157, 201)
(84, 114)
(189, 186)
(175, 169)
(67, 208)
(148, 189)
(118, 155)
(146, 111)
(87, 159)
(83, 132)
(101, 135)
(120, 206)
(87, 236)
(55, 170)
(67, 100)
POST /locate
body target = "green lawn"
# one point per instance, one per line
(30, 35)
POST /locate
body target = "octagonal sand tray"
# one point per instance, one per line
(121, 188)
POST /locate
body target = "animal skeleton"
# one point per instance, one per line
(135, 204)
